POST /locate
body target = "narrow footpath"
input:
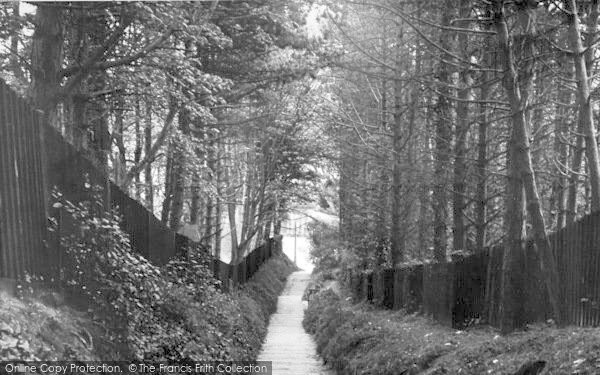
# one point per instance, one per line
(288, 346)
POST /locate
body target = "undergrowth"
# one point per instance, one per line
(171, 313)
(357, 339)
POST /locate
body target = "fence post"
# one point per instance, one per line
(243, 267)
(234, 275)
(271, 247)
(370, 286)
(398, 289)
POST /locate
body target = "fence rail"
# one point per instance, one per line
(34, 158)
(468, 290)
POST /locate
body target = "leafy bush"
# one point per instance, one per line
(172, 313)
(357, 339)
(354, 340)
(325, 248)
(120, 285)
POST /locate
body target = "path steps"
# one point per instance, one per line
(287, 345)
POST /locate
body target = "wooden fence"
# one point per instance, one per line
(468, 290)
(34, 158)
(22, 192)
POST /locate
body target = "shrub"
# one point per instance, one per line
(352, 341)
(172, 313)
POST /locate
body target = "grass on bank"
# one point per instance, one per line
(357, 339)
(211, 325)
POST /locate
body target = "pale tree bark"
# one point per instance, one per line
(412, 190)
(561, 135)
(231, 196)
(120, 166)
(15, 64)
(168, 185)
(218, 200)
(397, 231)
(195, 204)
(574, 179)
(582, 60)
(482, 161)
(137, 153)
(97, 115)
(426, 162)
(459, 231)
(443, 138)
(179, 168)
(211, 220)
(521, 178)
(46, 60)
(381, 231)
(231, 211)
(149, 184)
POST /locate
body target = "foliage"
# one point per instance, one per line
(31, 330)
(357, 339)
(325, 248)
(207, 102)
(164, 314)
(330, 254)
(100, 266)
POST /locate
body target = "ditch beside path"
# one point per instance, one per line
(287, 345)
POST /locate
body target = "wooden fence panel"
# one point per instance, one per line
(494, 285)
(388, 285)
(438, 295)
(470, 289)
(469, 286)
(362, 284)
(369, 286)
(594, 275)
(23, 215)
(587, 277)
(377, 288)
(532, 293)
(34, 158)
(135, 220)
(398, 294)
(161, 242)
(413, 289)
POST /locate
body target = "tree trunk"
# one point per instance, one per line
(586, 116)
(459, 230)
(459, 238)
(179, 171)
(120, 168)
(481, 189)
(218, 201)
(521, 177)
(166, 205)
(195, 205)
(231, 210)
(397, 237)
(210, 218)
(383, 188)
(15, 64)
(482, 162)
(137, 153)
(46, 59)
(561, 133)
(97, 114)
(147, 147)
(443, 130)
